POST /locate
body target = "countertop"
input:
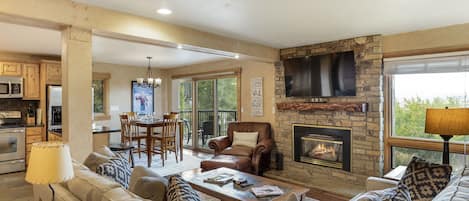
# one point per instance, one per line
(100, 130)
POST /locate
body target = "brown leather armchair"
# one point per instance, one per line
(259, 157)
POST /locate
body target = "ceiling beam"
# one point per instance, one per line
(126, 26)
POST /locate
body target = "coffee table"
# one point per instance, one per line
(230, 193)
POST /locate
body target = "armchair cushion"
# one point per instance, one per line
(238, 151)
(248, 139)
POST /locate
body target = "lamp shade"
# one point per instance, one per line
(49, 163)
(453, 121)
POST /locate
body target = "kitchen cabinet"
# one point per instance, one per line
(53, 73)
(31, 82)
(54, 137)
(33, 134)
(11, 69)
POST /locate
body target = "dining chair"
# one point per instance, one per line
(167, 137)
(130, 133)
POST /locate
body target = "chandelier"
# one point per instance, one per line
(149, 81)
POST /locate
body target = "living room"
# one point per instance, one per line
(373, 95)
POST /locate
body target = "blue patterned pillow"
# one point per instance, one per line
(180, 190)
(118, 169)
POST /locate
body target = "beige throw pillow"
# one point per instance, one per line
(94, 160)
(248, 139)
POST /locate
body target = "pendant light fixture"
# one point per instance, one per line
(149, 81)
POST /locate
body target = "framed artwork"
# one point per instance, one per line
(142, 99)
(257, 97)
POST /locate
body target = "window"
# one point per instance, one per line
(100, 87)
(98, 98)
(413, 85)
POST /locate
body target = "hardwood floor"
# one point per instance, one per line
(13, 187)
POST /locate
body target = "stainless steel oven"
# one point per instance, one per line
(12, 149)
(11, 87)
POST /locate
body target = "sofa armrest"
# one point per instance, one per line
(262, 148)
(43, 192)
(219, 144)
(377, 183)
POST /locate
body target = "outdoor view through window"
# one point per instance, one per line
(412, 94)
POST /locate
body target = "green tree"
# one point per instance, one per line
(409, 121)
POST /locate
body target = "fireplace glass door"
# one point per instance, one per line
(322, 150)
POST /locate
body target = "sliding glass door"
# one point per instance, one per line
(215, 104)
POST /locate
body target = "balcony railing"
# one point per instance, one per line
(205, 123)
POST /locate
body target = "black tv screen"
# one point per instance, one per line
(321, 76)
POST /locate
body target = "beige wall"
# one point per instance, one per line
(120, 89)
(443, 39)
(250, 69)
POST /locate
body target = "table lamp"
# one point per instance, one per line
(49, 163)
(447, 123)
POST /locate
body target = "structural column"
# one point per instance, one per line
(76, 91)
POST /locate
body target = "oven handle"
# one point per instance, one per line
(12, 162)
(9, 88)
(2, 131)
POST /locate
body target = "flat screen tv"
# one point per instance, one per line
(321, 76)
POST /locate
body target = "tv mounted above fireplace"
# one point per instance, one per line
(321, 76)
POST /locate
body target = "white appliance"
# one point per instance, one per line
(54, 107)
(11, 87)
(12, 142)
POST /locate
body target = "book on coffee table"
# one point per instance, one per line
(267, 190)
(220, 179)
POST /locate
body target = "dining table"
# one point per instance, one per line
(149, 125)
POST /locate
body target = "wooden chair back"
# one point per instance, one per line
(125, 127)
(170, 122)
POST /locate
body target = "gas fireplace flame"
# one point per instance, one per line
(323, 152)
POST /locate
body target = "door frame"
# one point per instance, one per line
(195, 138)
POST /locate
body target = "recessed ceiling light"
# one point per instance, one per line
(179, 46)
(164, 11)
(236, 56)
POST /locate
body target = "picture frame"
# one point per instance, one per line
(142, 99)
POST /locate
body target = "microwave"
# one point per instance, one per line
(11, 87)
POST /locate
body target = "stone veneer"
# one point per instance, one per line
(367, 128)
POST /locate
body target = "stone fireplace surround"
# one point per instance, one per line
(366, 127)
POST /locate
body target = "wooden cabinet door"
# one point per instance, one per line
(33, 134)
(54, 73)
(11, 69)
(31, 82)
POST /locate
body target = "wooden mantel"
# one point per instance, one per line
(310, 106)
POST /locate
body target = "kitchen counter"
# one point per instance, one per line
(100, 130)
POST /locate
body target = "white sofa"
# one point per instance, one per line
(87, 186)
(456, 190)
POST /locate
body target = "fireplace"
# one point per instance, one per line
(325, 146)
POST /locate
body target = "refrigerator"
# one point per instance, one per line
(54, 107)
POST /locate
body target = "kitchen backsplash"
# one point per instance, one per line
(14, 104)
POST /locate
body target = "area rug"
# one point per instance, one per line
(170, 165)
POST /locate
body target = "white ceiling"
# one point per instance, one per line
(287, 23)
(114, 51)
(33, 40)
